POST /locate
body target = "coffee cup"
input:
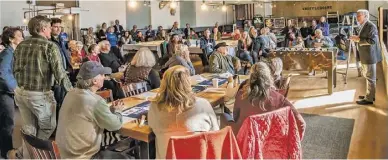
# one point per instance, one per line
(215, 82)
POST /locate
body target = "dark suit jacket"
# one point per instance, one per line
(369, 50)
(63, 51)
(118, 30)
(187, 32)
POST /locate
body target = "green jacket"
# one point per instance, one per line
(222, 64)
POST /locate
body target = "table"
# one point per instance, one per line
(194, 49)
(153, 46)
(144, 134)
(302, 59)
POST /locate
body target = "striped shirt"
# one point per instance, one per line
(37, 64)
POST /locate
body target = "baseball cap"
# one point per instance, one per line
(222, 44)
(92, 69)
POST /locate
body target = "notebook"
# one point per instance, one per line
(137, 111)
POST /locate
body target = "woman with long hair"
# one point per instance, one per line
(181, 57)
(127, 38)
(176, 110)
(140, 69)
(258, 95)
(244, 47)
(102, 33)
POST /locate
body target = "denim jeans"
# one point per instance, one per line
(38, 112)
(7, 109)
(245, 56)
(369, 72)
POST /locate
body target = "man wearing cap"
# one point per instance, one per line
(84, 116)
(221, 62)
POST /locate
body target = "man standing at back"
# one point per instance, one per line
(37, 65)
(369, 53)
(59, 92)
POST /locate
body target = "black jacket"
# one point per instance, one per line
(63, 51)
(110, 60)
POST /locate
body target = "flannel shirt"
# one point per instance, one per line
(38, 64)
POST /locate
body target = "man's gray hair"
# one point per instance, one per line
(364, 12)
(84, 84)
(37, 23)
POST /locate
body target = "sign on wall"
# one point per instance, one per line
(318, 8)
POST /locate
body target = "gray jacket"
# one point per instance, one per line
(222, 64)
(178, 60)
(369, 51)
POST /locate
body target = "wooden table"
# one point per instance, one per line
(318, 59)
(144, 134)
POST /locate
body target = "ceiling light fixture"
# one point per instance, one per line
(132, 3)
(173, 4)
(204, 6)
(223, 6)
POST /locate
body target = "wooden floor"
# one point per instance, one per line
(309, 95)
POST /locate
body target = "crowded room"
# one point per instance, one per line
(205, 79)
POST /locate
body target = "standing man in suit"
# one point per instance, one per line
(369, 54)
(118, 28)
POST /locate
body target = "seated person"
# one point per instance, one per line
(244, 47)
(84, 115)
(76, 57)
(175, 41)
(181, 57)
(139, 37)
(161, 35)
(222, 62)
(192, 35)
(236, 34)
(257, 46)
(94, 51)
(216, 35)
(321, 41)
(207, 44)
(276, 66)
(107, 57)
(257, 95)
(176, 111)
(299, 43)
(127, 38)
(140, 69)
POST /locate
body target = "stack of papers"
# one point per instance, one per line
(137, 111)
(196, 78)
(146, 95)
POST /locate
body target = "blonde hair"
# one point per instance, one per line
(258, 86)
(143, 58)
(318, 31)
(73, 45)
(249, 39)
(181, 49)
(277, 67)
(175, 93)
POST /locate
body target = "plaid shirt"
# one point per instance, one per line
(37, 63)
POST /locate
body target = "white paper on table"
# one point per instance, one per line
(146, 95)
(196, 79)
(225, 75)
(128, 119)
(215, 90)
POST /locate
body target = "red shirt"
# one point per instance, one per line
(94, 58)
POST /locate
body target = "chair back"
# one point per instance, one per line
(40, 149)
(106, 94)
(220, 144)
(134, 88)
(272, 135)
(284, 86)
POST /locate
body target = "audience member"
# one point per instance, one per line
(250, 32)
(192, 35)
(90, 37)
(257, 46)
(140, 69)
(150, 33)
(290, 28)
(176, 111)
(244, 47)
(321, 41)
(258, 95)
(94, 51)
(139, 37)
(272, 36)
(76, 56)
(11, 38)
(55, 31)
(134, 31)
(127, 38)
(216, 35)
(236, 34)
(188, 30)
(107, 57)
(222, 62)
(181, 57)
(89, 114)
(111, 37)
(102, 33)
(276, 67)
(299, 43)
(173, 44)
(313, 27)
(64, 37)
(118, 29)
(33, 93)
(305, 32)
(161, 35)
(207, 44)
(324, 26)
(175, 30)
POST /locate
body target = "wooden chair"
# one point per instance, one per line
(284, 86)
(106, 94)
(40, 149)
(134, 88)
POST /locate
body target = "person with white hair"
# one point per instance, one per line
(369, 53)
(321, 41)
(181, 57)
(140, 69)
(107, 57)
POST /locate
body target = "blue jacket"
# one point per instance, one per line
(7, 79)
(112, 38)
(325, 28)
(64, 54)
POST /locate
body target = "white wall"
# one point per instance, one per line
(210, 16)
(265, 11)
(374, 5)
(102, 11)
(162, 17)
(11, 13)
